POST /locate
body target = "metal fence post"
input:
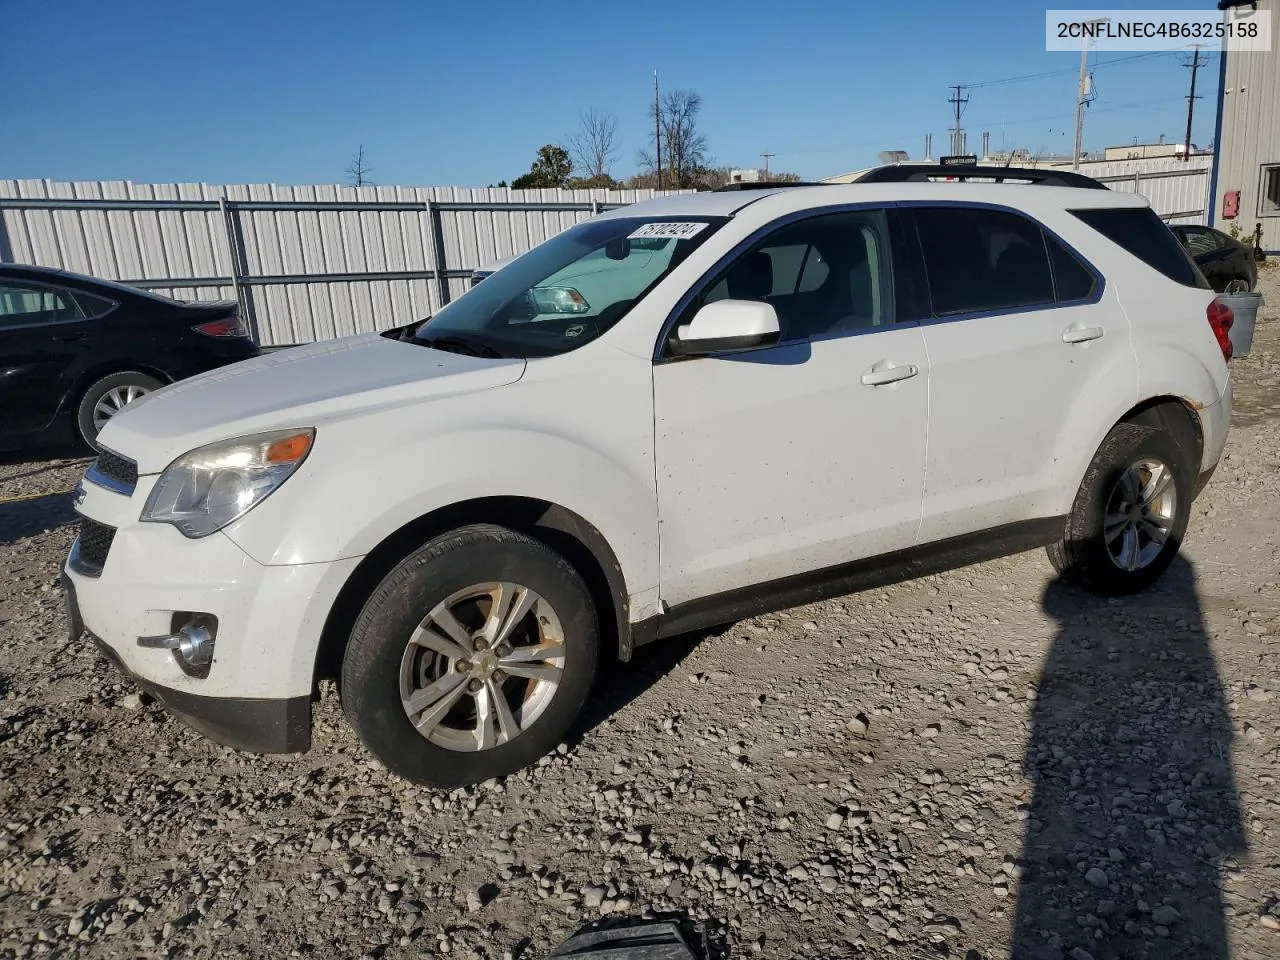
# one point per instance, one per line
(595, 208)
(435, 237)
(235, 253)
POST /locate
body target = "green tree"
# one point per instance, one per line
(551, 168)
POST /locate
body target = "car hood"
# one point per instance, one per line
(297, 387)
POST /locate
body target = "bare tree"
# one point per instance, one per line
(684, 148)
(358, 170)
(595, 144)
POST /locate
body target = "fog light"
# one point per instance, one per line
(191, 642)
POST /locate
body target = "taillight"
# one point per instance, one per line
(223, 328)
(1221, 318)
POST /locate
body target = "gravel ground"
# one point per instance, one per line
(980, 764)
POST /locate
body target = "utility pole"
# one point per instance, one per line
(657, 131)
(765, 157)
(1082, 93)
(957, 135)
(1194, 66)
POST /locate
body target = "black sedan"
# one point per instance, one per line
(1229, 265)
(75, 349)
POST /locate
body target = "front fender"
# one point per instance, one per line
(338, 508)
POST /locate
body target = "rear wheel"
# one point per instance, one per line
(471, 659)
(107, 397)
(1130, 513)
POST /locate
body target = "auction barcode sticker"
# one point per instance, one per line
(666, 231)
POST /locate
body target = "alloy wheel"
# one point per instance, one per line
(482, 666)
(1140, 514)
(113, 401)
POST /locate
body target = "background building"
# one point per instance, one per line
(1246, 183)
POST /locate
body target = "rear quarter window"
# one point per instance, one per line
(1146, 236)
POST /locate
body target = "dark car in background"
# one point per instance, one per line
(1229, 265)
(74, 350)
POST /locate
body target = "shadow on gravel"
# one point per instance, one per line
(38, 454)
(25, 518)
(620, 683)
(1135, 806)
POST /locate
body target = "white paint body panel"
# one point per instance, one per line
(780, 461)
(1007, 396)
(702, 475)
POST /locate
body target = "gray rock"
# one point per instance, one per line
(1096, 878)
(859, 725)
(1165, 915)
(593, 896)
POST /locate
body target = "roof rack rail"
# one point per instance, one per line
(762, 185)
(912, 173)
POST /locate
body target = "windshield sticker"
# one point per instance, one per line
(667, 231)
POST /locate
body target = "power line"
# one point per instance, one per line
(1065, 73)
(844, 146)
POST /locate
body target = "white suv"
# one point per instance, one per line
(795, 393)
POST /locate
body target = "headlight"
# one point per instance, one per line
(204, 490)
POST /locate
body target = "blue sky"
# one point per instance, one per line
(463, 93)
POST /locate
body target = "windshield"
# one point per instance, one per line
(569, 290)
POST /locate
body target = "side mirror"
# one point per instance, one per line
(727, 326)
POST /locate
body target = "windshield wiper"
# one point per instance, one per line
(462, 345)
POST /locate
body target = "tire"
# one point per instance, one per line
(106, 397)
(1111, 568)
(387, 677)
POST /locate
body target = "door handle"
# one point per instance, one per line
(885, 372)
(1078, 334)
(71, 337)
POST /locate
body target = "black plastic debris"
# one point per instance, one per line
(642, 940)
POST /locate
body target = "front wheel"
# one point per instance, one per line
(1130, 514)
(471, 659)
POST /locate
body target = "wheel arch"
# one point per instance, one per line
(564, 531)
(1176, 416)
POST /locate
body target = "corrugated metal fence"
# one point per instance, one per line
(1177, 190)
(307, 263)
(311, 263)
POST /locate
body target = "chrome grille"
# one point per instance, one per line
(115, 467)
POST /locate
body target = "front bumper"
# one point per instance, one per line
(269, 619)
(255, 725)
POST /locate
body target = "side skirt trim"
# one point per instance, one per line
(851, 577)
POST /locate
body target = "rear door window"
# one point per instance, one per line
(1143, 234)
(94, 306)
(978, 260)
(1072, 280)
(27, 304)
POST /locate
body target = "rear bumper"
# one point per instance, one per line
(255, 725)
